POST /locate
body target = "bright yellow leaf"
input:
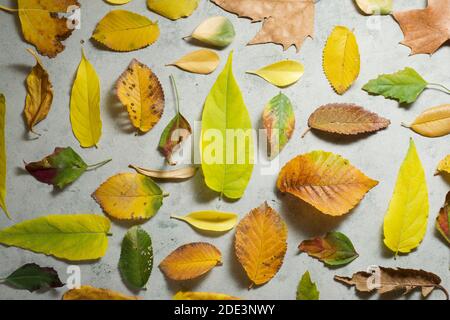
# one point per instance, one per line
(91, 293)
(187, 295)
(117, 2)
(3, 155)
(444, 165)
(173, 9)
(202, 61)
(341, 60)
(433, 122)
(282, 73)
(405, 222)
(210, 220)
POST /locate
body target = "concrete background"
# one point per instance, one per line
(378, 155)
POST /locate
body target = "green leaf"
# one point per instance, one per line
(216, 31)
(279, 121)
(335, 249)
(3, 156)
(226, 137)
(33, 277)
(307, 290)
(405, 85)
(136, 257)
(74, 237)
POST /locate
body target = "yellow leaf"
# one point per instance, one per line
(85, 105)
(122, 30)
(91, 293)
(178, 174)
(39, 94)
(141, 93)
(191, 261)
(173, 9)
(341, 60)
(210, 220)
(117, 2)
(433, 122)
(326, 181)
(282, 73)
(3, 155)
(180, 295)
(129, 196)
(260, 243)
(444, 165)
(405, 222)
(202, 61)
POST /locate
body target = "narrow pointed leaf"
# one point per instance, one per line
(282, 73)
(443, 220)
(201, 61)
(433, 122)
(177, 174)
(187, 295)
(91, 293)
(307, 290)
(210, 220)
(3, 155)
(32, 277)
(216, 31)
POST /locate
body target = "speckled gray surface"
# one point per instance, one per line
(379, 155)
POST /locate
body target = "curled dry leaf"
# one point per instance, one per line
(187, 295)
(444, 166)
(260, 244)
(210, 220)
(216, 31)
(33, 277)
(386, 280)
(173, 9)
(129, 196)
(201, 61)
(177, 174)
(347, 119)
(326, 181)
(341, 62)
(282, 73)
(3, 155)
(380, 7)
(91, 293)
(443, 219)
(141, 93)
(306, 289)
(433, 122)
(191, 261)
(122, 30)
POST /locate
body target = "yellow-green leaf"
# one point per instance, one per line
(405, 223)
(201, 61)
(433, 122)
(375, 6)
(85, 105)
(444, 165)
(282, 73)
(341, 62)
(187, 295)
(210, 220)
(173, 9)
(122, 30)
(3, 155)
(74, 237)
(216, 31)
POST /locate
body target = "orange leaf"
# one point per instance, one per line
(443, 220)
(91, 293)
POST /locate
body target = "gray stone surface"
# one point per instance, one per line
(379, 155)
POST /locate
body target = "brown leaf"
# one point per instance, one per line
(386, 280)
(91, 293)
(426, 30)
(284, 22)
(347, 119)
(178, 174)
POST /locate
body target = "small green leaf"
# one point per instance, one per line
(33, 277)
(136, 258)
(307, 290)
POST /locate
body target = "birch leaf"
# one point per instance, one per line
(91, 293)
(39, 94)
(216, 31)
(282, 73)
(187, 295)
(433, 122)
(140, 91)
(122, 30)
(326, 181)
(260, 244)
(380, 7)
(307, 290)
(177, 174)
(224, 113)
(73, 237)
(444, 166)
(279, 121)
(173, 9)
(341, 62)
(85, 105)
(405, 222)
(210, 220)
(129, 196)
(443, 219)
(3, 155)
(32, 277)
(191, 261)
(201, 61)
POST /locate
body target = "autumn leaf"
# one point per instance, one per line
(32, 277)
(341, 61)
(60, 168)
(129, 196)
(3, 156)
(191, 261)
(335, 249)
(425, 30)
(176, 132)
(444, 166)
(307, 290)
(177, 174)
(215, 221)
(282, 73)
(443, 219)
(117, 2)
(39, 94)
(405, 222)
(122, 30)
(386, 280)
(260, 244)
(91, 293)
(284, 23)
(380, 7)
(73, 237)
(433, 122)
(347, 119)
(201, 61)
(326, 181)
(279, 121)
(215, 31)
(173, 9)
(187, 295)
(140, 91)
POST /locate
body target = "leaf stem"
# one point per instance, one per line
(440, 86)
(165, 194)
(10, 10)
(177, 99)
(305, 133)
(97, 165)
(447, 297)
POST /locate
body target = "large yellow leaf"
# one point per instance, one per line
(141, 93)
(3, 155)
(129, 196)
(173, 9)
(201, 61)
(281, 73)
(92, 293)
(444, 165)
(341, 61)
(405, 222)
(191, 261)
(260, 243)
(210, 220)
(326, 181)
(122, 30)
(188, 295)
(433, 122)
(85, 105)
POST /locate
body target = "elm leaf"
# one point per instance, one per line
(32, 277)
(307, 290)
